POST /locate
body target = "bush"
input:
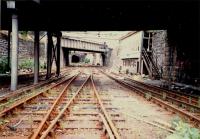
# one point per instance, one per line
(26, 64)
(3, 65)
(183, 130)
(87, 60)
(43, 66)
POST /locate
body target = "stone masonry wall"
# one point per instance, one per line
(159, 44)
(25, 51)
(166, 55)
(3, 46)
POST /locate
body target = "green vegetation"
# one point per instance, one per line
(183, 130)
(148, 96)
(29, 64)
(3, 65)
(87, 60)
(24, 33)
(26, 64)
(43, 65)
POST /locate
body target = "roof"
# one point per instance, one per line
(74, 15)
(128, 34)
(87, 41)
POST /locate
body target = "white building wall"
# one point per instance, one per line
(130, 46)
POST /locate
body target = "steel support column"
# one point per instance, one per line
(142, 66)
(36, 57)
(49, 54)
(103, 59)
(14, 53)
(67, 58)
(58, 54)
(140, 50)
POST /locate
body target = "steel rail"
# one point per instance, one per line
(111, 124)
(168, 98)
(36, 133)
(3, 112)
(172, 93)
(53, 122)
(29, 88)
(108, 129)
(159, 101)
(26, 89)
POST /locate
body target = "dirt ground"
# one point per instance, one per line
(137, 111)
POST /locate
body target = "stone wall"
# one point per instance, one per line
(165, 53)
(25, 51)
(3, 46)
(159, 45)
(174, 66)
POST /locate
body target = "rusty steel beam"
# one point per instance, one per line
(169, 98)
(52, 124)
(194, 99)
(28, 88)
(24, 100)
(108, 119)
(108, 129)
(39, 129)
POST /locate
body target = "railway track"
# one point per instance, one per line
(190, 103)
(12, 96)
(191, 99)
(32, 107)
(73, 107)
(184, 109)
(82, 116)
(70, 107)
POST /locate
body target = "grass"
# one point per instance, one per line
(183, 130)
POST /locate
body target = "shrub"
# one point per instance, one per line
(3, 65)
(183, 130)
(26, 64)
(43, 66)
(87, 60)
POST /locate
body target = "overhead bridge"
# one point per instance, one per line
(69, 44)
(81, 45)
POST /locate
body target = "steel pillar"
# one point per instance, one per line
(62, 60)
(67, 58)
(14, 53)
(53, 52)
(58, 54)
(140, 50)
(36, 57)
(49, 54)
(142, 66)
(103, 59)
